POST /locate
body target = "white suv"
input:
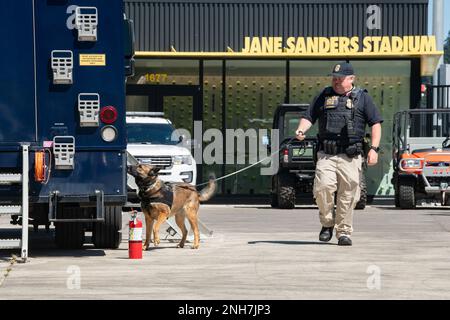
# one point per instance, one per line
(150, 142)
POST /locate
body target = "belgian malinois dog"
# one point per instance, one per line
(160, 200)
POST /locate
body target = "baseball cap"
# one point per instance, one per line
(342, 69)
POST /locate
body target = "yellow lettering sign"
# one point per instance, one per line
(427, 43)
(339, 45)
(397, 45)
(290, 42)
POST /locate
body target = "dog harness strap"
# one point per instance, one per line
(165, 195)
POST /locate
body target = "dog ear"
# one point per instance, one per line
(156, 170)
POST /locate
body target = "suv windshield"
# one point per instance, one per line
(153, 133)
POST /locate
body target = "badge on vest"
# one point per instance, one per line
(349, 104)
(331, 102)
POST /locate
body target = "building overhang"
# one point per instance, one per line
(429, 60)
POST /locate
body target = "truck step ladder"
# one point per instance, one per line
(20, 210)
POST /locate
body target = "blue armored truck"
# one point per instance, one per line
(63, 70)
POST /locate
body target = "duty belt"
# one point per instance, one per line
(332, 147)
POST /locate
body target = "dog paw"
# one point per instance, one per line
(145, 247)
(156, 242)
(195, 246)
(180, 245)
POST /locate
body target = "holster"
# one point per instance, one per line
(354, 150)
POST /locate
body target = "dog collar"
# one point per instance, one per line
(150, 187)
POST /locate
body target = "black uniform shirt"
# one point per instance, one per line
(366, 112)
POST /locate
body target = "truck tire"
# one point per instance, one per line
(406, 194)
(286, 191)
(274, 200)
(108, 234)
(69, 235)
(274, 194)
(361, 204)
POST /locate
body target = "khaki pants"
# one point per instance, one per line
(340, 174)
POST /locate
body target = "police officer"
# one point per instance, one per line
(343, 111)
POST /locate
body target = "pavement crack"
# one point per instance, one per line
(8, 269)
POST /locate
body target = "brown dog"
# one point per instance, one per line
(160, 200)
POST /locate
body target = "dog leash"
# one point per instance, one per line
(244, 169)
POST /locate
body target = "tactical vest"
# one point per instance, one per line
(338, 122)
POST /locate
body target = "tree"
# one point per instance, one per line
(447, 49)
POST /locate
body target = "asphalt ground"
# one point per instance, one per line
(256, 252)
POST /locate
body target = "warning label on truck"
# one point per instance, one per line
(97, 60)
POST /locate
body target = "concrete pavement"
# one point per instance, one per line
(256, 253)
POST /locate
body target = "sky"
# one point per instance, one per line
(446, 17)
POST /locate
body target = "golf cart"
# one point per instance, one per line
(297, 160)
(421, 156)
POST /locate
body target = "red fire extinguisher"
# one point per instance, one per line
(135, 239)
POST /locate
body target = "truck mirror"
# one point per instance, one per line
(129, 43)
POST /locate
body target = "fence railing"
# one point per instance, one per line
(438, 97)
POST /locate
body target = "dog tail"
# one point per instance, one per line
(208, 192)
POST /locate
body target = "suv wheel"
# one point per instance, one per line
(274, 193)
(285, 191)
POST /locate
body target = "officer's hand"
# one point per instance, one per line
(300, 135)
(372, 158)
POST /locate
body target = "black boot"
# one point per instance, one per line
(326, 234)
(344, 241)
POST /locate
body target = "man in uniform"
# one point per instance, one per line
(343, 111)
